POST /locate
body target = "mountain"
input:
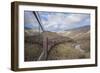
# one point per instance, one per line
(87, 27)
(76, 32)
(69, 44)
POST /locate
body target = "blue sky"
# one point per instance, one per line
(56, 21)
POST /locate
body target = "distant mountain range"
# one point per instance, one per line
(82, 27)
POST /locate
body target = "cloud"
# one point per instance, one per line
(56, 21)
(30, 21)
(63, 21)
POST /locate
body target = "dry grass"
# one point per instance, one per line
(32, 52)
(62, 50)
(65, 51)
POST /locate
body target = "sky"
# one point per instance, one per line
(56, 21)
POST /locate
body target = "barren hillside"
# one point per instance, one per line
(70, 44)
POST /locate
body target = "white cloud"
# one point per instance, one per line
(61, 20)
(56, 21)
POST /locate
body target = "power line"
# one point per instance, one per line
(38, 19)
